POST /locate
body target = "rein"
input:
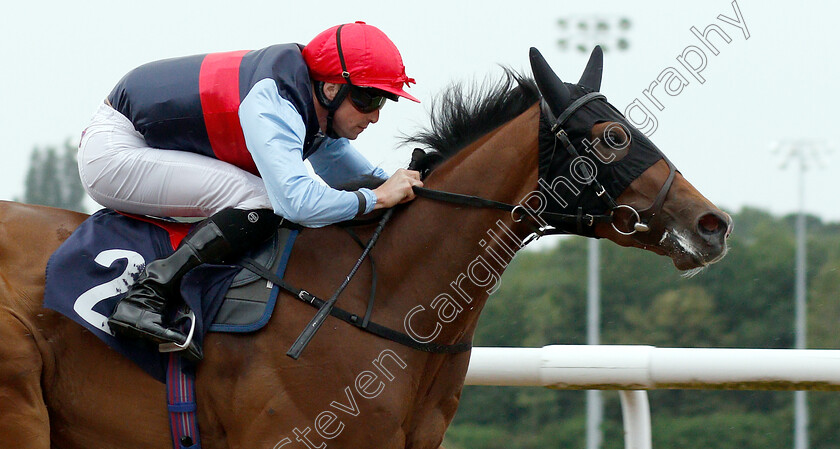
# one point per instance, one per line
(579, 219)
(324, 309)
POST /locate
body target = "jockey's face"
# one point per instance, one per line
(348, 121)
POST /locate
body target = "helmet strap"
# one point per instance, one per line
(331, 105)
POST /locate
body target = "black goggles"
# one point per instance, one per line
(367, 99)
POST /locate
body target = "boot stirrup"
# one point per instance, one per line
(175, 347)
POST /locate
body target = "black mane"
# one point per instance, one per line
(462, 113)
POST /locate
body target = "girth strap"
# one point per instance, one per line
(372, 327)
(180, 399)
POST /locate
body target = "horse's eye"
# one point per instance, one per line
(615, 137)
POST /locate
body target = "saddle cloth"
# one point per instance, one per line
(91, 271)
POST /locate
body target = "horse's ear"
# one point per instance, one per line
(552, 88)
(591, 77)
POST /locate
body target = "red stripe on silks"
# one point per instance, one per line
(218, 86)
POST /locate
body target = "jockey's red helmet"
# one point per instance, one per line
(358, 54)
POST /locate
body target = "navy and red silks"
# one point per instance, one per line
(191, 103)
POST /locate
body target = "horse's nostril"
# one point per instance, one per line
(711, 224)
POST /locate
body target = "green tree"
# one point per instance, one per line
(823, 324)
(682, 317)
(53, 179)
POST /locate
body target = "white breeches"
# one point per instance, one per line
(120, 171)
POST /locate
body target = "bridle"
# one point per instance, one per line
(642, 217)
(580, 220)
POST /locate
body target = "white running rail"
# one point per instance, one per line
(608, 367)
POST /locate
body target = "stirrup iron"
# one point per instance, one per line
(175, 347)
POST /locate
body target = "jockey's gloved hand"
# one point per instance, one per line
(397, 189)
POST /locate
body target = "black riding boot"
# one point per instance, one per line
(229, 232)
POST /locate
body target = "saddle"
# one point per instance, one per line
(249, 302)
(90, 272)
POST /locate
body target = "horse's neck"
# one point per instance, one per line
(454, 255)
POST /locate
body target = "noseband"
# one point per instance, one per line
(642, 217)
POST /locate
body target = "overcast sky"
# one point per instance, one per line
(60, 59)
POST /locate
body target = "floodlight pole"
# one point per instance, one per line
(594, 400)
(800, 400)
(800, 152)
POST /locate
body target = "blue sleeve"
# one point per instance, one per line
(337, 162)
(274, 133)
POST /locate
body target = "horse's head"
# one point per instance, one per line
(596, 165)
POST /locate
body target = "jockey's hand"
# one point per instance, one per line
(397, 189)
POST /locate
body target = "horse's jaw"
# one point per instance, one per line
(684, 252)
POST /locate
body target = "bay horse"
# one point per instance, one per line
(437, 261)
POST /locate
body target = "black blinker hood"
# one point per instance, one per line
(568, 192)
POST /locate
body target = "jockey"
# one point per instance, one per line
(224, 136)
